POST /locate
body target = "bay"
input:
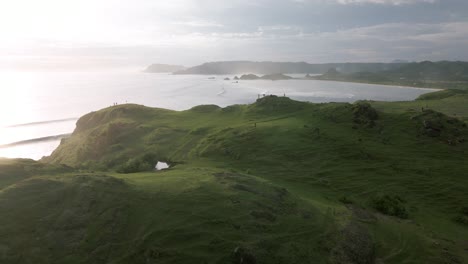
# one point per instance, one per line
(44, 105)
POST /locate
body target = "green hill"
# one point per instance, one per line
(442, 74)
(277, 181)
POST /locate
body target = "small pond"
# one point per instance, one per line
(161, 166)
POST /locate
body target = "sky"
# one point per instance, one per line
(91, 34)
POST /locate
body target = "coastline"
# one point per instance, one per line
(328, 80)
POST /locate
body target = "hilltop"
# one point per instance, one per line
(277, 181)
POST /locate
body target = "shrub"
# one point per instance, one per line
(462, 217)
(390, 205)
(346, 200)
(143, 163)
(364, 114)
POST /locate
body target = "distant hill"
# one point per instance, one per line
(442, 74)
(432, 71)
(240, 67)
(161, 68)
(400, 61)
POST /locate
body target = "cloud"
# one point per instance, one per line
(384, 2)
(380, 2)
(384, 42)
(441, 33)
(199, 23)
(194, 31)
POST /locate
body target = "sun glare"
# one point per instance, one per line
(15, 106)
(23, 21)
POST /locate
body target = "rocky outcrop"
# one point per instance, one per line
(276, 77)
(249, 77)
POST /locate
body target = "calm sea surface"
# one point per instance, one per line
(36, 107)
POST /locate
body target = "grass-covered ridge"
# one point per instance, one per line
(278, 181)
(441, 74)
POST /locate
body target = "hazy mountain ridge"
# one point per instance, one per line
(240, 67)
(163, 68)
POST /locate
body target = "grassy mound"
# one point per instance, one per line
(438, 125)
(205, 108)
(449, 102)
(15, 170)
(272, 104)
(442, 94)
(192, 215)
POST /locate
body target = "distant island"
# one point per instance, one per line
(163, 68)
(273, 77)
(242, 67)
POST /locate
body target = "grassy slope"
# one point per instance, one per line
(260, 177)
(442, 74)
(449, 102)
(188, 215)
(382, 79)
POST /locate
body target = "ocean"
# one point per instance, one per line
(37, 109)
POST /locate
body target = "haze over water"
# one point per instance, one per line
(43, 104)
